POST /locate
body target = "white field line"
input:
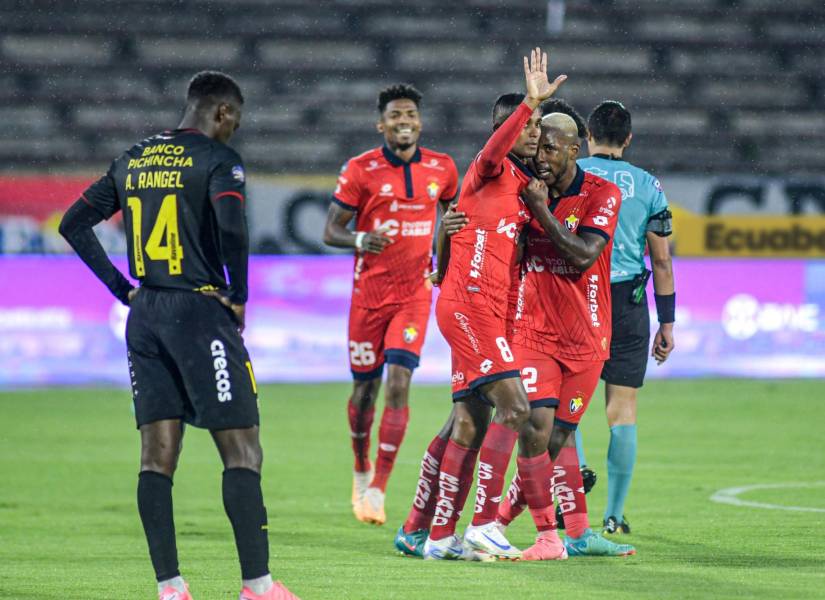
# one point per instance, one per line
(730, 496)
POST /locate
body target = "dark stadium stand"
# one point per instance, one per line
(714, 86)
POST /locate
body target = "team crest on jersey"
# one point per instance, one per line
(432, 190)
(576, 404)
(410, 334)
(571, 221)
(238, 174)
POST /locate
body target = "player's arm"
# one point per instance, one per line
(452, 222)
(99, 202)
(490, 159)
(579, 249)
(227, 192)
(664, 293)
(337, 235)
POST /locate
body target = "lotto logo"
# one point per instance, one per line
(486, 366)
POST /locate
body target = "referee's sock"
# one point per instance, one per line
(621, 458)
(580, 448)
(244, 504)
(154, 498)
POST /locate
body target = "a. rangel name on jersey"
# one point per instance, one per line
(477, 262)
(593, 299)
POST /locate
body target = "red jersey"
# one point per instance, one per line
(483, 254)
(401, 197)
(562, 311)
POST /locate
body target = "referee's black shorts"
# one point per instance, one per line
(630, 343)
(187, 361)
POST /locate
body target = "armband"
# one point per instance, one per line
(666, 307)
(359, 239)
(661, 223)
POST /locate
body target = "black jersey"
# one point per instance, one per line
(182, 196)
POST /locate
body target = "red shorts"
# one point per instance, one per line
(560, 383)
(393, 334)
(478, 343)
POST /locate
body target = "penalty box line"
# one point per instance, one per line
(731, 496)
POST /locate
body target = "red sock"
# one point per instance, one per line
(390, 435)
(426, 492)
(453, 487)
(536, 475)
(494, 458)
(569, 491)
(360, 424)
(513, 504)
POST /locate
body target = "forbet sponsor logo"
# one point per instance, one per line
(743, 316)
(219, 362)
(477, 262)
(593, 299)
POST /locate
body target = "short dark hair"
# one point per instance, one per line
(213, 86)
(398, 91)
(505, 106)
(609, 123)
(558, 105)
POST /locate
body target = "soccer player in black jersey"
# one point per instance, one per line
(182, 197)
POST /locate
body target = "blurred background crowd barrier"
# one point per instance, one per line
(727, 101)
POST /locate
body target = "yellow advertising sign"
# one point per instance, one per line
(748, 235)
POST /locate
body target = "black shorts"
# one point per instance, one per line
(187, 361)
(631, 338)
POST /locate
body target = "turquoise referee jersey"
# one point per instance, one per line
(642, 198)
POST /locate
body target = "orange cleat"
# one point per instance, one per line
(371, 509)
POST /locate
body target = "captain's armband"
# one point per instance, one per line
(661, 223)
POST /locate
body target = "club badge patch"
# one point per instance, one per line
(238, 174)
(571, 221)
(432, 190)
(410, 334)
(576, 405)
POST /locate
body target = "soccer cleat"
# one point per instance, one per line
(612, 526)
(411, 544)
(453, 548)
(548, 546)
(360, 482)
(450, 548)
(589, 479)
(592, 544)
(371, 509)
(170, 593)
(277, 592)
(488, 539)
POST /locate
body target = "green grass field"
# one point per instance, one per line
(69, 527)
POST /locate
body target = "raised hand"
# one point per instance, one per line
(535, 195)
(538, 86)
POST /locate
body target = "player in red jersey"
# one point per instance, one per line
(392, 192)
(561, 329)
(471, 313)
